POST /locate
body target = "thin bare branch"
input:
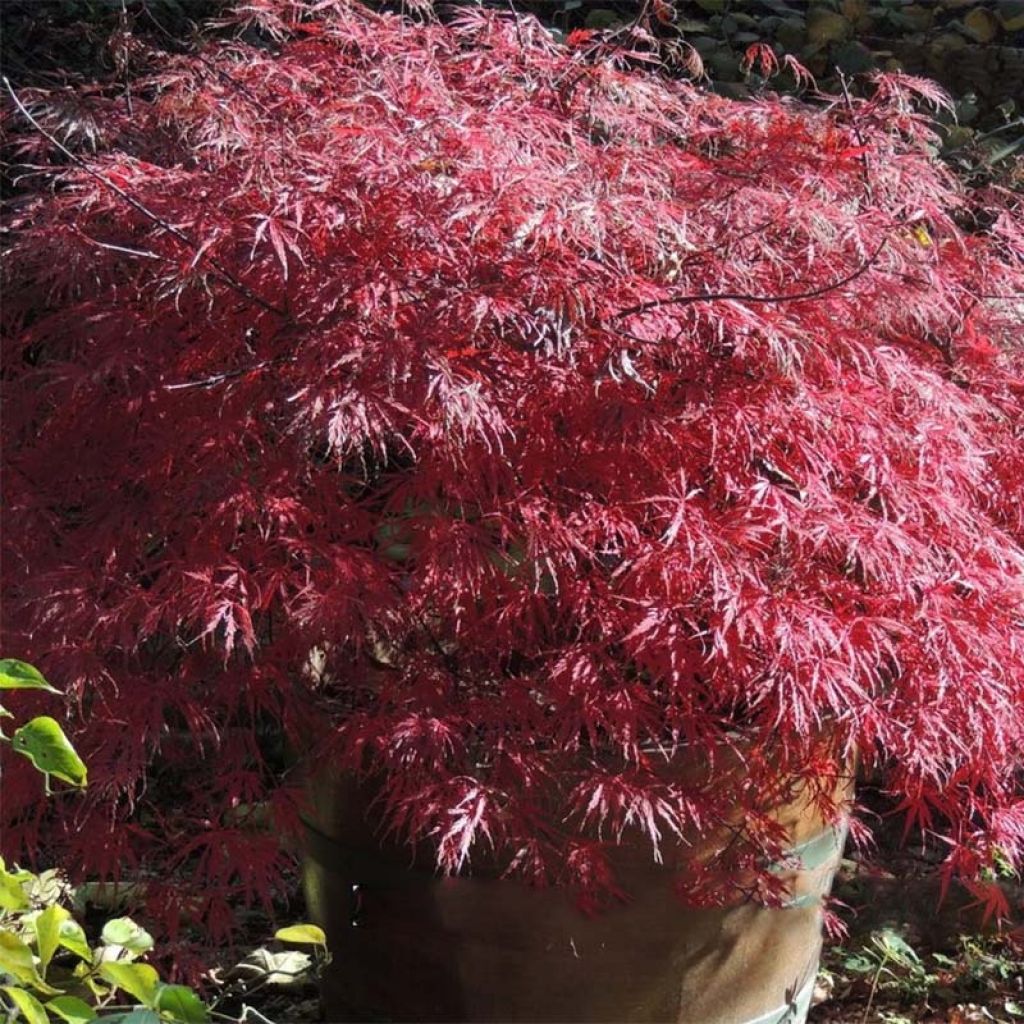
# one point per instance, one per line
(811, 293)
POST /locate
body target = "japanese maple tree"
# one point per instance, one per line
(505, 419)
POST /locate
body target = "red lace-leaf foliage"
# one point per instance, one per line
(511, 423)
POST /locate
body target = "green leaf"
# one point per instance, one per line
(47, 926)
(72, 1009)
(182, 1004)
(858, 963)
(16, 960)
(30, 1007)
(43, 742)
(140, 1015)
(72, 937)
(138, 980)
(19, 675)
(123, 931)
(1013, 1008)
(12, 893)
(892, 944)
(306, 934)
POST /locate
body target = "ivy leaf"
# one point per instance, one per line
(138, 980)
(180, 1003)
(47, 926)
(305, 934)
(72, 1009)
(43, 742)
(19, 675)
(30, 1007)
(123, 931)
(16, 960)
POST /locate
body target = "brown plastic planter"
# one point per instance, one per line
(408, 945)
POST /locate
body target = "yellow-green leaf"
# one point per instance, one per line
(12, 893)
(16, 960)
(180, 1003)
(123, 931)
(19, 675)
(72, 937)
(47, 926)
(72, 1009)
(30, 1007)
(43, 742)
(138, 980)
(306, 934)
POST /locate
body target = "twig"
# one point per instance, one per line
(143, 253)
(857, 132)
(515, 21)
(812, 293)
(225, 275)
(218, 378)
(1002, 128)
(127, 77)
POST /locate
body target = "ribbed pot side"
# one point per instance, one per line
(409, 945)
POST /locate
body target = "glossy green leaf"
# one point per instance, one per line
(30, 1007)
(123, 931)
(19, 675)
(47, 926)
(307, 934)
(43, 742)
(180, 1003)
(72, 937)
(16, 960)
(138, 980)
(72, 1009)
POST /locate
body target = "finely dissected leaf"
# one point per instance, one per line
(123, 931)
(308, 934)
(16, 960)
(138, 980)
(18, 675)
(72, 1009)
(43, 742)
(30, 1007)
(180, 1003)
(47, 926)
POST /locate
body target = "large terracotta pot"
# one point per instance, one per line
(408, 945)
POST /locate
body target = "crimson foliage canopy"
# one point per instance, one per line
(503, 417)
